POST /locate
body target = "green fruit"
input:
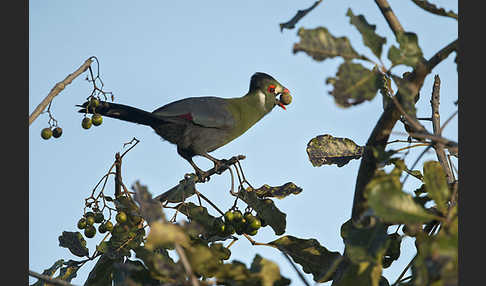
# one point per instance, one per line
(248, 216)
(102, 228)
(108, 225)
(255, 224)
(229, 216)
(253, 232)
(94, 103)
(229, 229)
(87, 214)
(240, 227)
(46, 133)
(82, 223)
(237, 216)
(97, 119)
(121, 217)
(57, 132)
(86, 123)
(90, 220)
(90, 231)
(285, 98)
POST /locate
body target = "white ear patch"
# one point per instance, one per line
(261, 98)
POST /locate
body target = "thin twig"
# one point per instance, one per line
(209, 202)
(447, 121)
(185, 263)
(118, 179)
(412, 146)
(57, 89)
(48, 279)
(439, 147)
(301, 276)
(404, 271)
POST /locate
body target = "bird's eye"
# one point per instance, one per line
(271, 88)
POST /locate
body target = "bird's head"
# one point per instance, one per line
(268, 91)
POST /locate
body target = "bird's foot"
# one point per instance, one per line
(202, 176)
(220, 166)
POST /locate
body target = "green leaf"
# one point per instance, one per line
(49, 272)
(429, 7)
(164, 235)
(408, 96)
(150, 209)
(365, 244)
(436, 184)
(354, 84)
(327, 150)
(101, 273)
(132, 273)
(370, 38)
(393, 251)
(437, 259)
(385, 196)
(361, 274)
(279, 192)
(268, 271)
(200, 215)
(75, 242)
(321, 45)
(160, 265)
(185, 189)
(313, 257)
(409, 53)
(266, 210)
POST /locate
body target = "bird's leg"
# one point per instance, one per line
(217, 163)
(203, 176)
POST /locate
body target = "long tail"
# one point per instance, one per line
(122, 112)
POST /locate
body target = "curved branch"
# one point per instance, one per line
(57, 89)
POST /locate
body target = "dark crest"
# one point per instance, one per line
(257, 80)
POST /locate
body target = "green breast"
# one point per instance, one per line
(246, 111)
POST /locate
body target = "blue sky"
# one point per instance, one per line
(155, 52)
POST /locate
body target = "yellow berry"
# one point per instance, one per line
(46, 133)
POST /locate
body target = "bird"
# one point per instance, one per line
(200, 125)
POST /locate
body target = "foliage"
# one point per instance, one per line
(197, 247)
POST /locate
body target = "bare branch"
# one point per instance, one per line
(57, 89)
(439, 148)
(442, 54)
(390, 17)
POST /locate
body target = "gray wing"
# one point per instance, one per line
(205, 111)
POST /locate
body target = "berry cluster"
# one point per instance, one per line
(89, 219)
(96, 119)
(47, 133)
(236, 222)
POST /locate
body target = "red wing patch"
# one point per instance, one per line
(186, 116)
